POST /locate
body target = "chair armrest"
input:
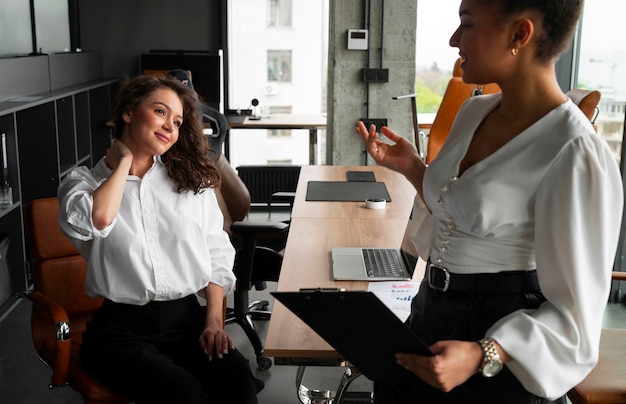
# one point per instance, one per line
(284, 196)
(618, 276)
(247, 227)
(59, 327)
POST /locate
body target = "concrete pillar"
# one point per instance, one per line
(351, 99)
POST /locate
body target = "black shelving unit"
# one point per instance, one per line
(47, 135)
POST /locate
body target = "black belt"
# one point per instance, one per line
(507, 282)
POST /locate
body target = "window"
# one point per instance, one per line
(279, 13)
(602, 66)
(281, 61)
(434, 57)
(15, 28)
(52, 25)
(279, 65)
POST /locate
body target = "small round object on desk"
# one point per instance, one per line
(375, 203)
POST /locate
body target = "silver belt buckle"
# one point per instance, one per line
(446, 280)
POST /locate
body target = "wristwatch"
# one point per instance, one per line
(492, 365)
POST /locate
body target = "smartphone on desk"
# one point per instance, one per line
(360, 176)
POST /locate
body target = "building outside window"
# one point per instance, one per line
(602, 66)
(279, 13)
(279, 65)
(281, 61)
(434, 57)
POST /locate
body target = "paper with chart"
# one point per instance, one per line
(397, 295)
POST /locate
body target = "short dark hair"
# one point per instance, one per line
(559, 18)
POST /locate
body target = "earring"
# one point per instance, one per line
(514, 51)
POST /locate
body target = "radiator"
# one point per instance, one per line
(263, 181)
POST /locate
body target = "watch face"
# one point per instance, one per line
(492, 368)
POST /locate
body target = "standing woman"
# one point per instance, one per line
(518, 216)
(147, 221)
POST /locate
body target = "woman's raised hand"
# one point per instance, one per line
(399, 156)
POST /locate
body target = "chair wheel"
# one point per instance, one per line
(264, 362)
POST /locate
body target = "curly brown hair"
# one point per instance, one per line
(187, 161)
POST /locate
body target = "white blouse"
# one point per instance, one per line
(550, 199)
(162, 245)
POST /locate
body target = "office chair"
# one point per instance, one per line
(218, 124)
(258, 256)
(254, 265)
(456, 93)
(61, 308)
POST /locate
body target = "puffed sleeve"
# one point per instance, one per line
(221, 250)
(75, 195)
(578, 216)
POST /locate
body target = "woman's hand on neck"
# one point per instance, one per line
(140, 162)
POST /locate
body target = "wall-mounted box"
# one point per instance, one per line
(375, 75)
(357, 39)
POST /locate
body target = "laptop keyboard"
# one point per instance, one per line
(380, 262)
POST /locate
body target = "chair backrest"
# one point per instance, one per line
(217, 122)
(456, 93)
(587, 101)
(58, 269)
(233, 196)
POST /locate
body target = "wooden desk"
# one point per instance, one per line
(283, 121)
(307, 261)
(307, 264)
(317, 227)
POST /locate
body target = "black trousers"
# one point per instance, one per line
(152, 354)
(437, 316)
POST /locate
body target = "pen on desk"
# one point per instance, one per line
(322, 290)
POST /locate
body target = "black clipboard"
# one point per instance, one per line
(360, 327)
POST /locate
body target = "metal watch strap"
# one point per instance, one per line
(492, 364)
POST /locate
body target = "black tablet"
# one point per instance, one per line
(346, 191)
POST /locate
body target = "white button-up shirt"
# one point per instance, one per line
(162, 245)
(550, 199)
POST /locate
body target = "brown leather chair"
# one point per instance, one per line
(61, 307)
(456, 93)
(587, 101)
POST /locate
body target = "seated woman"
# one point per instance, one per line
(147, 220)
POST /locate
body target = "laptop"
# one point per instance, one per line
(372, 264)
(360, 327)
